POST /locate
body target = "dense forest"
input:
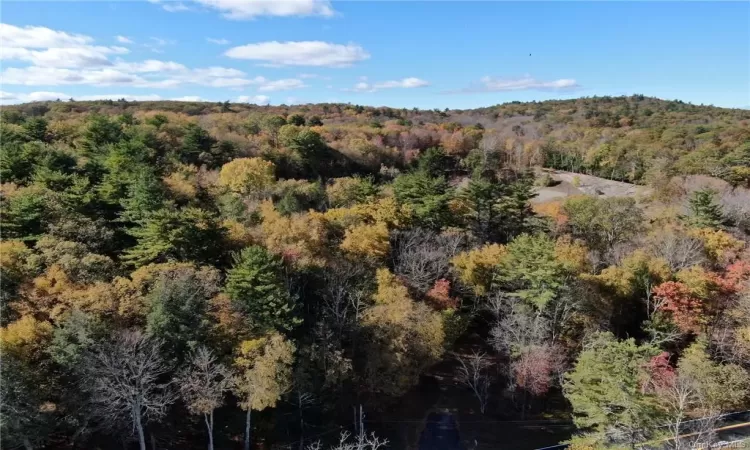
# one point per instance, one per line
(183, 275)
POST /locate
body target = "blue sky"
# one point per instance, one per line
(428, 54)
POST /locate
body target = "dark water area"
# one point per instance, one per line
(440, 414)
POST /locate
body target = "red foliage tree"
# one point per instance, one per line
(661, 374)
(439, 296)
(535, 368)
(686, 309)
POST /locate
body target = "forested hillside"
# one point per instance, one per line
(176, 274)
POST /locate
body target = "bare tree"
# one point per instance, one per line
(489, 148)
(736, 206)
(361, 442)
(202, 386)
(473, 373)
(342, 294)
(518, 329)
(124, 381)
(678, 249)
(422, 256)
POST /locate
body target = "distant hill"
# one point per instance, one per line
(636, 138)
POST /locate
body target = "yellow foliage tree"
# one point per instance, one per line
(636, 275)
(404, 337)
(476, 267)
(13, 257)
(130, 294)
(26, 338)
(300, 238)
(247, 175)
(553, 210)
(573, 255)
(367, 241)
(699, 282)
(347, 191)
(183, 183)
(264, 374)
(46, 296)
(385, 210)
(719, 245)
(238, 234)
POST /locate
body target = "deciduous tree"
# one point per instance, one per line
(125, 381)
(263, 374)
(202, 384)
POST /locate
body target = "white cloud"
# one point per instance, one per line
(157, 45)
(189, 98)
(404, 83)
(171, 6)
(491, 84)
(124, 40)
(282, 85)
(39, 37)
(151, 65)
(312, 76)
(128, 97)
(257, 99)
(249, 9)
(175, 7)
(80, 57)
(51, 76)
(17, 97)
(45, 47)
(146, 74)
(75, 60)
(220, 41)
(302, 53)
(222, 72)
(41, 96)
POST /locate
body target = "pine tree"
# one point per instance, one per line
(606, 391)
(255, 286)
(189, 234)
(428, 196)
(144, 195)
(705, 212)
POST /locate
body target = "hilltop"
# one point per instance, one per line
(636, 139)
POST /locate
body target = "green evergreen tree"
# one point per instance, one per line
(296, 119)
(189, 234)
(428, 196)
(705, 212)
(531, 270)
(36, 128)
(100, 131)
(144, 195)
(606, 391)
(434, 162)
(26, 215)
(178, 309)
(195, 143)
(255, 286)
(16, 165)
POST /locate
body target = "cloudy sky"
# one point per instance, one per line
(428, 54)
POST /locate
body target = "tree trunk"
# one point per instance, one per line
(301, 422)
(210, 425)
(27, 444)
(139, 427)
(153, 440)
(247, 429)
